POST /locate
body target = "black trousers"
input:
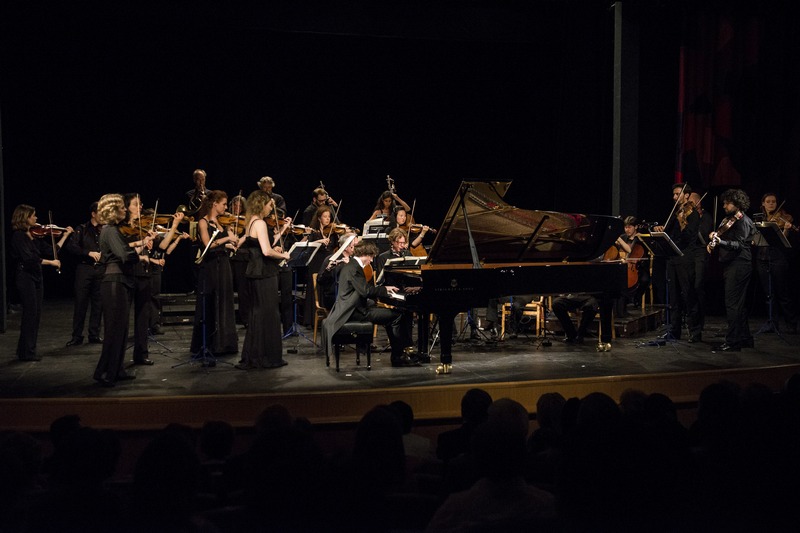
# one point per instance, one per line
(396, 322)
(142, 308)
(88, 279)
(736, 277)
(286, 296)
(31, 294)
(564, 304)
(117, 298)
(683, 296)
(773, 273)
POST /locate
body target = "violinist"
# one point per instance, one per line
(215, 281)
(163, 244)
(196, 194)
(85, 245)
(28, 252)
(772, 265)
(319, 199)
(733, 239)
(143, 289)
(118, 258)
(701, 255)
(263, 342)
(401, 219)
(682, 227)
(387, 202)
(239, 260)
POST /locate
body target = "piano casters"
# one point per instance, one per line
(444, 368)
(606, 316)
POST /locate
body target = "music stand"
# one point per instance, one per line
(773, 235)
(659, 244)
(375, 231)
(204, 355)
(300, 255)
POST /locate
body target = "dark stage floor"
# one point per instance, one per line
(34, 391)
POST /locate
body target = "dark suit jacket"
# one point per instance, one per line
(354, 291)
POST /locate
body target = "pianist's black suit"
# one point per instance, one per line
(352, 304)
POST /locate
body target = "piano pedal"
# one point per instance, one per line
(603, 346)
(444, 368)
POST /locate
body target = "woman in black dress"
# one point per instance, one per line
(28, 252)
(119, 257)
(263, 342)
(215, 281)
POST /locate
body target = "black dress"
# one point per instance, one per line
(263, 342)
(215, 288)
(28, 280)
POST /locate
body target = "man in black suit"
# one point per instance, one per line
(353, 304)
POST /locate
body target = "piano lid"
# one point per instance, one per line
(503, 233)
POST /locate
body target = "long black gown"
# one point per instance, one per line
(215, 287)
(263, 342)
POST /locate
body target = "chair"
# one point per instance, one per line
(320, 312)
(358, 333)
(534, 309)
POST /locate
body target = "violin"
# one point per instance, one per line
(684, 212)
(341, 229)
(416, 228)
(782, 218)
(727, 224)
(300, 229)
(48, 230)
(228, 219)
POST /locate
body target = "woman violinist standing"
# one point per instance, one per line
(118, 258)
(215, 281)
(28, 253)
(772, 264)
(733, 238)
(263, 341)
(143, 290)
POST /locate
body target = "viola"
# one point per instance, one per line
(47, 230)
(782, 218)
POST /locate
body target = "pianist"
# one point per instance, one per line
(353, 304)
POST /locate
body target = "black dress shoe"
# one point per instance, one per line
(748, 343)
(125, 377)
(695, 338)
(75, 342)
(403, 361)
(103, 382)
(30, 358)
(725, 348)
(145, 361)
(157, 330)
(95, 340)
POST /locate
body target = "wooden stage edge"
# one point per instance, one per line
(431, 404)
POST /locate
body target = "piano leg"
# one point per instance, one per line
(606, 323)
(446, 341)
(423, 327)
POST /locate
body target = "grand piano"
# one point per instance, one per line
(487, 249)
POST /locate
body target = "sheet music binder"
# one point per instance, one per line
(659, 244)
(408, 261)
(301, 253)
(773, 234)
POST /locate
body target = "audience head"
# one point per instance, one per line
(548, 410)
(404, 413)
(216, 439)
(475, 406)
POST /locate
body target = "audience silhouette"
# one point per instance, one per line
(590, 464)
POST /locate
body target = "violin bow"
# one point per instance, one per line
(277, 223)
(676, 205)
(236, 220)
(155, 215)
(53, 238)
(333, 220)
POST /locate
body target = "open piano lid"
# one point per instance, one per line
(503, 233)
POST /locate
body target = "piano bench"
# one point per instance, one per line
(358, 333)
